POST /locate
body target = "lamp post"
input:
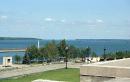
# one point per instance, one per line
(66, 56)
(104, 53)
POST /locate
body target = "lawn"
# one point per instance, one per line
(69, 75)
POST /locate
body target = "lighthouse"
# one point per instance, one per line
(38, 44)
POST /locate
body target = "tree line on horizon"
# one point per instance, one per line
(53, 51)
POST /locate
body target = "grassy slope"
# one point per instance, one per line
(69, 75)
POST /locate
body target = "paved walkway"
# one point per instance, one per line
(102, 79)
(34, 69)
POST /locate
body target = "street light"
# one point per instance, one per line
(66, 55)
(104, 53)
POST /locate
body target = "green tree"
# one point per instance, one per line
(62, 45)
(110, 56)
(119, 55)
(17, 59)
(32, 52)
(42, 54)
(26, 59)
(63, 50)
(94, 54)
(88, 51)
(85, 52)
(127, 54)
(73, 51)
(82, 54)
(51, 50)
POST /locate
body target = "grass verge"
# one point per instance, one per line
(69, 75)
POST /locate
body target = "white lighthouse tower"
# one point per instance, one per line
(38, 46)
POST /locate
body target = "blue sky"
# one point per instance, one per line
(69, 19)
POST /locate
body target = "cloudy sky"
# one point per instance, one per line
(69, 19)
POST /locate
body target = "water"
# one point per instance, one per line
(96, 45)
(20, 44)
(10, 54)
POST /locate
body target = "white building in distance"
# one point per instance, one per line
(7, 61)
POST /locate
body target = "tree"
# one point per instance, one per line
(119, 55)
(93, 54)
(88, 52)
(26, 59)
(63, 50)
(32, 52)
(82, 54)
(73, 51)
(62, 45)
(17, 59)
(42, 53)
(51, 50)
(127, 54)
(85, 52)
(110, 56)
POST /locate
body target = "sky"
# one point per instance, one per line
(65, 19)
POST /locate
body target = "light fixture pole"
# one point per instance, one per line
(66, 56)
(104, 53)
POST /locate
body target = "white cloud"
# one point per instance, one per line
(99, 20)
(49, 19)
(3, 17)
(63, 20)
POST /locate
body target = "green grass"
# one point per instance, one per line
(69, 75)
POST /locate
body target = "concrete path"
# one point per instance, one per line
(114, 68)
(102, 79)
(34, 69)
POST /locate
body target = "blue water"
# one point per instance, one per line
(20, 44)
(10, 54)
(96, 45)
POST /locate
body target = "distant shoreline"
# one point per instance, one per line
(17, 38)
(24, 38)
